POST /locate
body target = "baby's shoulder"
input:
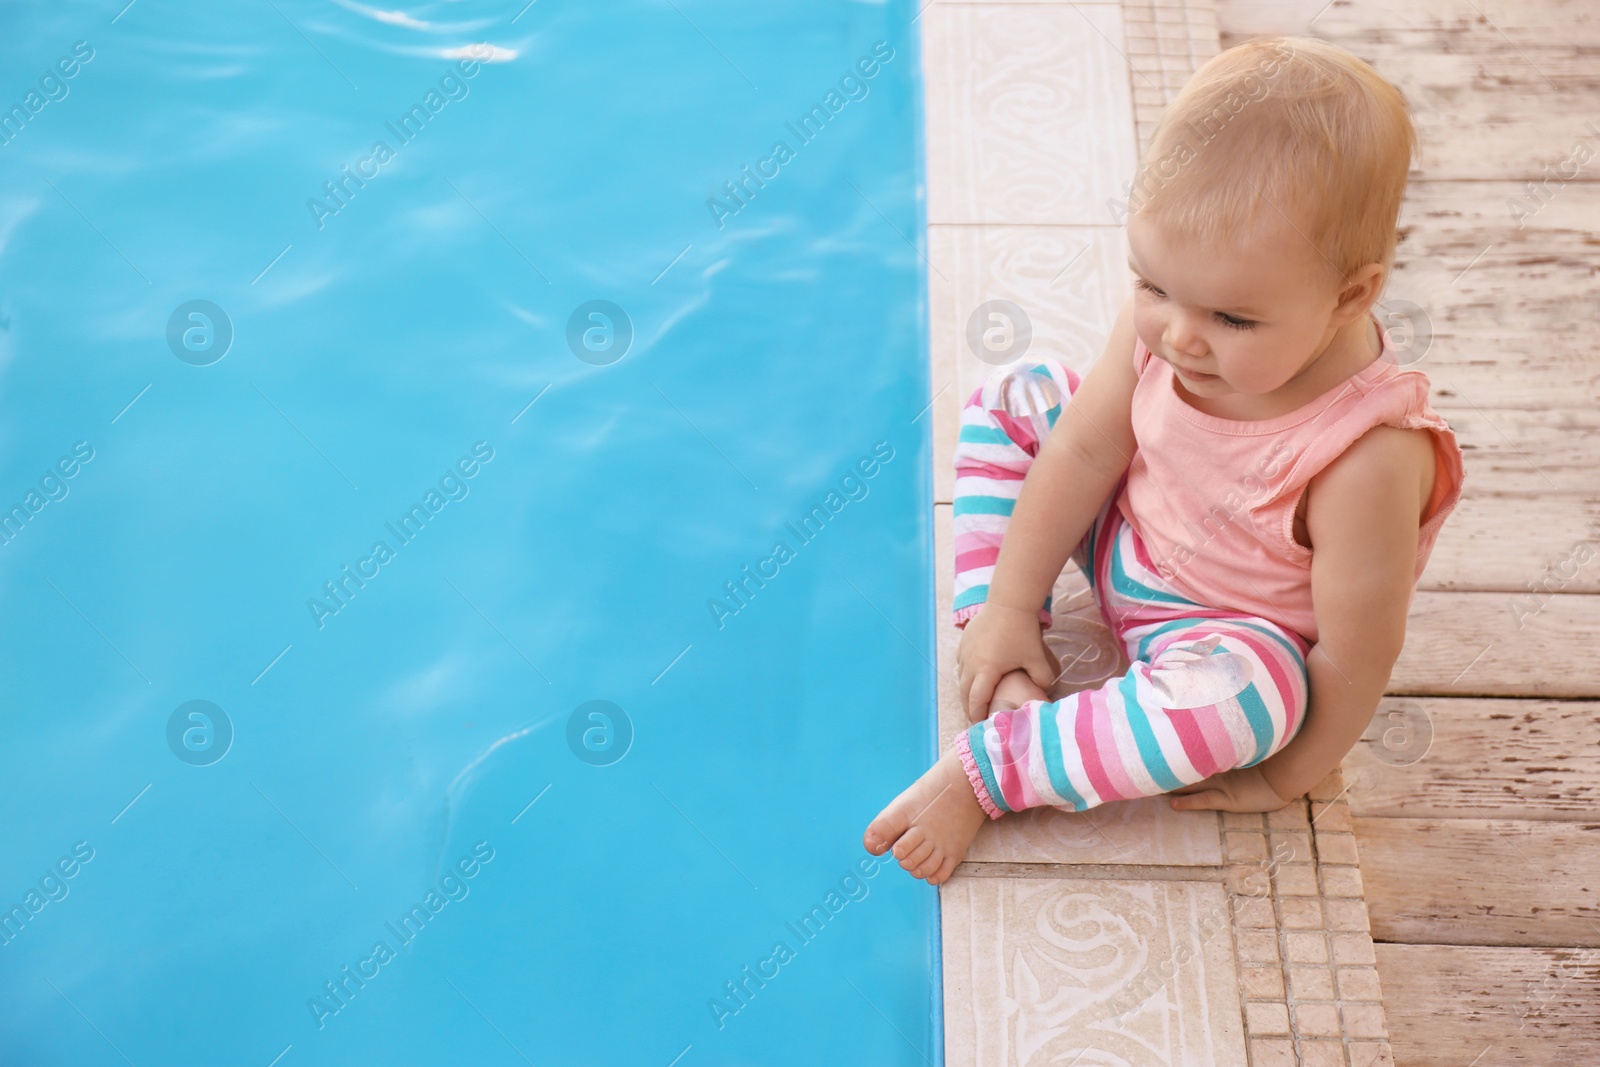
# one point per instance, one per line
(1386, 466)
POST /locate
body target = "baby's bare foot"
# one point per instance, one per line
(931, 824)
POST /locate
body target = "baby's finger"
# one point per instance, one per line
(1042, 670)
(1203, 800)
(982, 693)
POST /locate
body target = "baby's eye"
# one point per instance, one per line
(1147, 287)
(1235, 323)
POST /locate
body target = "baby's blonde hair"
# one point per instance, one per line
(1290, 127)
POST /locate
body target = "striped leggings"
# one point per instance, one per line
(1206, 690)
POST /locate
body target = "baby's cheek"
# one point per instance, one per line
(1255, 375)
(1147, 323)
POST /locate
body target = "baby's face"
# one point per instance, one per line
(1242, 321)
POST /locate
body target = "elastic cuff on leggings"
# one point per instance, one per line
(975, 776)
(964, 615)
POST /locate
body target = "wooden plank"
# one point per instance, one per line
(1485, 759)
(1499, 87)
(1451, 1006)
(1528, 454)
(1504, 366)
(1470, 644)
(1481, 881)
(1521, 547)
(1461, 253)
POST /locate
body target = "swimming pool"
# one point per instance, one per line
(466, 531)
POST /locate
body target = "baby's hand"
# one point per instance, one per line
(1014, 690)
(997, 641)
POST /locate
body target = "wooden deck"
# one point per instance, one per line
(1481, 860)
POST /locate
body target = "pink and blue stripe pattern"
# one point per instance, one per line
(1207, 689)
(993, 454)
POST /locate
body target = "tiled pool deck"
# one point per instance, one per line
(1147, 935)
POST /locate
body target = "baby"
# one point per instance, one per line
(1248, 478)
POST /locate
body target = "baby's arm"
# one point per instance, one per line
(1077, 466)
(1363, 519)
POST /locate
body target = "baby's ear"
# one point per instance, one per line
(1359, 291)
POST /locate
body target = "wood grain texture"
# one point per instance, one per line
(1527, 454)
(1491, 644)
(1485, 835)
(1481, 881)
(1478, 759)
(1525, 548)
(1499, 306)
(1450, 1006)
(1499, 87)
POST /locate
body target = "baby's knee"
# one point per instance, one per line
(1030, 387)
(1198, 674)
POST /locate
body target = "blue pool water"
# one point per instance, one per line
(374, 690)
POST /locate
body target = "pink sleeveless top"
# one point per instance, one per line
(1213, 499)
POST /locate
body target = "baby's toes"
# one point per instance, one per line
(918, 857)
(909, 842)
(946, 868)
(887, 829)
(930, 865)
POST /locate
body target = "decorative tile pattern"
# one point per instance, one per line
(1039, 970)
(1029, 118)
